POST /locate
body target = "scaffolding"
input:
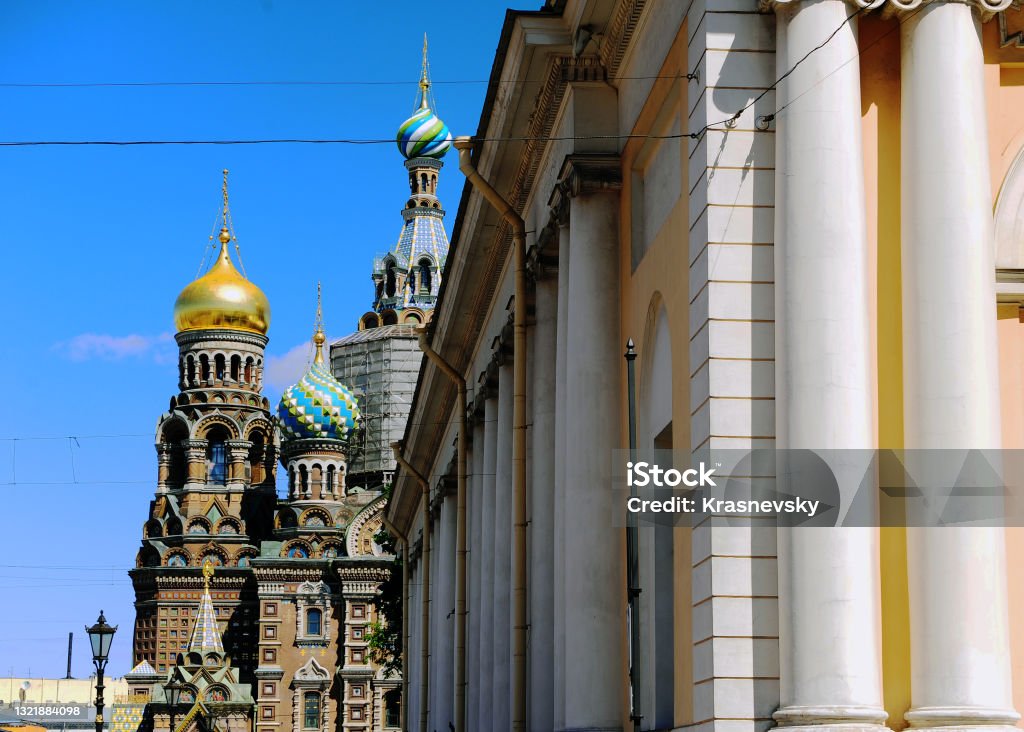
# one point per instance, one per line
(380, 366)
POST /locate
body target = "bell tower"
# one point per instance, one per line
(216, 453)
(407, 279)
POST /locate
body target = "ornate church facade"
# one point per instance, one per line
(256, 607)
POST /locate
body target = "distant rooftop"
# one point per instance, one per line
(407, 330)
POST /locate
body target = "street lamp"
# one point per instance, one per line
(173, 692)
(101, 636)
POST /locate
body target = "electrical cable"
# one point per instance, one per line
(382, 141)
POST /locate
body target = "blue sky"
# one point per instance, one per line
(98, 241)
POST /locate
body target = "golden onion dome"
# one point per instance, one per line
(222, 299)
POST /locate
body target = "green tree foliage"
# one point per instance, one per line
(384, 639)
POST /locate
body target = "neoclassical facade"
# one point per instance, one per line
(809, 217)
(258, 605)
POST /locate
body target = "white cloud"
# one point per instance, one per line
(284, 370)
(91, 346)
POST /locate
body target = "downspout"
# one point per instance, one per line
(396, 447)
(405, 618)
(460, 533)
(464, 145)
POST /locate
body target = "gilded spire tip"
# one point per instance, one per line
(318, 335)
(424, 76)
(225, 233)
(207, 570)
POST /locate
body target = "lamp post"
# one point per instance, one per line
(101, 636)
(173, 692)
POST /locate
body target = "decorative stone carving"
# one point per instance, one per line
(987, 9)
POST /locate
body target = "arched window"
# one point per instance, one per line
(204, 368)
(330, 479)
(423, 182)
(313, 621)
(425, 283)
(236, 367)
(190, 371)
(217, 457)
(303, 480)
(218, 362)
(254, 468)
(248, 370)
(389, 286)
(389, 317)
(311, 710)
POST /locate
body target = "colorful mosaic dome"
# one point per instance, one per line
(424, 135)
(319, 406)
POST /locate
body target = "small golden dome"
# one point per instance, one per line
(222, 299)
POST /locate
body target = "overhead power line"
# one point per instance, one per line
(328, 83)
(762, 121)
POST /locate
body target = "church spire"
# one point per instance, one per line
(205, 636)
(318, 334)
(425, 77)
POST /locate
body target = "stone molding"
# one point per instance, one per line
(987, 9)
(585, 174)
(619, 33)
(1008, 38)
(191, 337)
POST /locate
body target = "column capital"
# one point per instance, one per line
(987, 9)
(584, 173)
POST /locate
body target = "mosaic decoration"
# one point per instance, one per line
(318, 407)
(127, 717)
(424, 135)
(205, 633)
(421, 235)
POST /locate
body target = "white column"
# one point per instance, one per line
(558, 549)
(542, 506)
(594, 582)
(829, 605)
(487, 565)
(411, 665)
(474, 498)
(502, 699)
(960, 656)
(437, 612)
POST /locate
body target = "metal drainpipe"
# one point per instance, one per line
(464, 145)
(396, 447)
(405, 618)
(460, 533)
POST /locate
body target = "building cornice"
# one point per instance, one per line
(190, 337)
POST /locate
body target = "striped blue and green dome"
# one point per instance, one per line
(319, 406)
(424, 135)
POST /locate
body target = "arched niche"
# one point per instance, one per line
(1009, 218)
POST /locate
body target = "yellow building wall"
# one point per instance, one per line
(661, 279)
(880, 106)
